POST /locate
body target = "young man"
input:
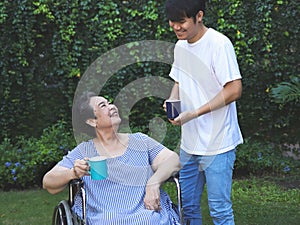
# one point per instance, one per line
(208, 82)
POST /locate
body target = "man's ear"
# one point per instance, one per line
(199, 16)
(91, 122)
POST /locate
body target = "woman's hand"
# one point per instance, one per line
(81, 168)
(152, 197)
(164, 165)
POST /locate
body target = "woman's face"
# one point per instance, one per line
(106, 114)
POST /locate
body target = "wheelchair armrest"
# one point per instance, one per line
(174, 177)
(75, 187)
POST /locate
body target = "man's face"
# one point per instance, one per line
(187, 28)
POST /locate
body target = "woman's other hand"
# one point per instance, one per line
(152, 197)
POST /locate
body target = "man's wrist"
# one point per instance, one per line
(196, 113)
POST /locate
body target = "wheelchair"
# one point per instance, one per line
(63, 214)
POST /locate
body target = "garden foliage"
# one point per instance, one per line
(24, 161)
(47, 45)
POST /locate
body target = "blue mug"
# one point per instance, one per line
(98, 167)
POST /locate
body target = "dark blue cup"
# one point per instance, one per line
(173, 108)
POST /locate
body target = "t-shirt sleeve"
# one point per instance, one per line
(174, 72)
(225, 64)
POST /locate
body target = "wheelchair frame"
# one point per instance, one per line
(63, 214)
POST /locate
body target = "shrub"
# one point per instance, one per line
(259, 158)
(161, 130)
(285, 92)
(24, 162)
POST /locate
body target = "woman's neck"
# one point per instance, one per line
(111, 143)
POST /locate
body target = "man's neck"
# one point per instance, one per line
(200, 34)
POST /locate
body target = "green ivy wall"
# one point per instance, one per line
(47, 45)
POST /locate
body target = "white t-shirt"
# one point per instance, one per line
(202, 69)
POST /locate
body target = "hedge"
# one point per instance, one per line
(46, 47)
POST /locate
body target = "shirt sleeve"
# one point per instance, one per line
(174, 72)
(69, 159)
(225, 64)
(153, 147)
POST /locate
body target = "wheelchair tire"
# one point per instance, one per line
(62, 214)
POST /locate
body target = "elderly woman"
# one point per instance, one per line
(137, 166)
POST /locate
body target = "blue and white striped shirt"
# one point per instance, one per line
(118, 200)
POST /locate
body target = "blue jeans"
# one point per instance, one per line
(216, 172)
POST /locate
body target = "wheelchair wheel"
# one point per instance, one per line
(62, 214)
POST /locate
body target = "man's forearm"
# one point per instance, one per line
(231, 92)
(175, 91)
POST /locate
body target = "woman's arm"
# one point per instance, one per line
(164, 165)
(58, 177)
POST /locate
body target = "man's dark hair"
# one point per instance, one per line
(82, 111)
(176, 10)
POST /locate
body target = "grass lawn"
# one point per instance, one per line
(255, 202)
(33, 207)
